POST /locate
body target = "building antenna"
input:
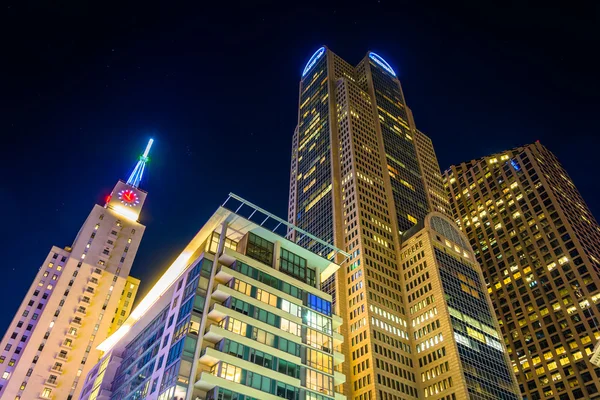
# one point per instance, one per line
(136, 176)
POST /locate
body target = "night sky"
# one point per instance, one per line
(84, 86)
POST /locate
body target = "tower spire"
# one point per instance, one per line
(136, 176)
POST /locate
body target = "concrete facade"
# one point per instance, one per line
(68, 310)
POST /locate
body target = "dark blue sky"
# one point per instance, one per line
(84, 86)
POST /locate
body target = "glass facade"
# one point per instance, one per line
(259, 249)
(401, 156)
(240, 330)
(180, 356)
(281, 327)
(295, 266)
(481, 354)
(313, 210)
(132, 379)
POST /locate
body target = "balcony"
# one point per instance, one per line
(76, 321)
(51, 382)
(62, 357)
(66, 345)
(84, 302)
(338, 378)
(337, 321)
(72, 333)
(57, 370)
(208, 381)
(80, 311)
(102, 260)
(223, 274)
(338, 358)
(339, 396)
(220, 293)
(97, 273)
(217, 312)
(93, 282)
(338, 339)
(214, 333)
(228, 257)
(209, 356)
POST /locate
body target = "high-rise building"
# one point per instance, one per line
(125, 303)
(238, 316)
(418, 320)
(437, 199)
(539, 247)
(80, 293)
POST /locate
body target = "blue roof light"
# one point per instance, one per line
(382, 63)
(313, 60)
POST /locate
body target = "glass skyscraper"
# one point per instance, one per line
(539, 246)
(364, 179)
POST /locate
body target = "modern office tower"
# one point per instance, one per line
(456, 342)
(539, 247)
(362, 111)
(76, 297)
(357, 182)
(238, 315)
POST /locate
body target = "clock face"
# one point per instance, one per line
(129, 198)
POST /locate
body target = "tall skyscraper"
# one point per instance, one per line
(237, 316)
(539, 247)
(419, 322)
(437, 199)
(80, 293)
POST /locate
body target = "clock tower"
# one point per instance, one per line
(127, 198)
(81, 294)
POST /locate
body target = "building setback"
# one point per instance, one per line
(539, 246)
(366, 180)
(238, 315)
(81, 294)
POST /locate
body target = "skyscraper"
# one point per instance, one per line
(539, 247)
(237, 316)
(80, 293)
(419, 322)
(437, 199)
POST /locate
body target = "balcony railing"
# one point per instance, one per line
(52, 382)
(57, 370)
(67, 345)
